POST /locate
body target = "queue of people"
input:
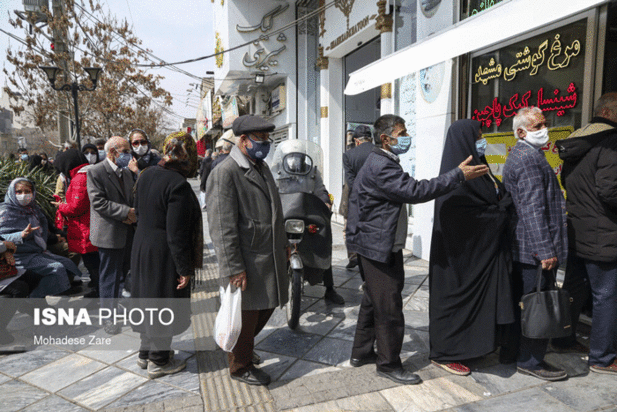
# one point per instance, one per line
(135, 210)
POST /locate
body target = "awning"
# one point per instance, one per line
(501, 22)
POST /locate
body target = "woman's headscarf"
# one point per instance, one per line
(180, 154)
(69, 160)
(460, 144)
(93, 147)
(35, 161)
(13, 215)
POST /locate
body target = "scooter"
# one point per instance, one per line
(295, 168)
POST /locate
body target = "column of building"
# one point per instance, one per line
(384, 25)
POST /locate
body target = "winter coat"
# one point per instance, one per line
(246, 223)
(540, 219)
(589, 176)
(379, 192)
(77, 211)
(164, 246)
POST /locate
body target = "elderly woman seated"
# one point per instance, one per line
(23, 223)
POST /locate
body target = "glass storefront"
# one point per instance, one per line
(546, 71)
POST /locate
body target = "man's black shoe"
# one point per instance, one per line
(352, 263)
(356, 363)
(546, 372)
(111, 328)
(256, 359)
(334, 297)
(401, 376)
(253, 376)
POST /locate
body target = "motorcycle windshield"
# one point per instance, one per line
(293, 165)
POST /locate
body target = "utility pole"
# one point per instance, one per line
(61, 50)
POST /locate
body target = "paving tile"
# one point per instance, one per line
(103, 388)
(573, 363)
(151, 392)
(278, 319)
(318, 323)
(587, 393)
(130, 363)
(433, 395)
(17, 395)
(188, 379)
(500, 379)
(4, 378)
(289, 343)
(54, 403)
(415, 319)
(21, 363)
(120, 347)
(330, 351)
(415, 340)
(416, 303)
(274, 364)
(346, 329)
(413, 276)
(532, 399)
(63, 372)
(305, 368)
(353, 283)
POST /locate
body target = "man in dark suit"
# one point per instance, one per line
(353, 160)
(110, 186)
(539, 223)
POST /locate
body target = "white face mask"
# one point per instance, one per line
(91, 158)
(141, 150)
(24, 198)
(538, 138)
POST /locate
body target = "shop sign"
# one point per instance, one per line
(229, 111)
(527, 61)
(263, 59)
(358, 15)
(496, 112)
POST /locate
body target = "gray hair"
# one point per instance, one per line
(522, 118)
(607, 102)
(385, 125)
(227, 146)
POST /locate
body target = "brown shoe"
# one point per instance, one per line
(546, 372)
(610, 369)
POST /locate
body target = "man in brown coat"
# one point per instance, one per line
(245, 217)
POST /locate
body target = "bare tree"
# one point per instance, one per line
(126, 96)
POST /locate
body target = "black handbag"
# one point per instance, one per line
(546, 314)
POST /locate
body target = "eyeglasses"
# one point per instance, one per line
(262, 138)
(136, 143)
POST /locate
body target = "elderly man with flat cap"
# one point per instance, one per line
(245, 217)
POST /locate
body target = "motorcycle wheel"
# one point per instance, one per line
(295, 297)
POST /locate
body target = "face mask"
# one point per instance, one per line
(259, 151)
(91, 158)
(123, 160)
(24, 198)
(141, 150)
(24, 157)
(102, 154)
(43, 162)
(402, 146)
(537, 138)
(481, 147)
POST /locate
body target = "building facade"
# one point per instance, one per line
(428, 61)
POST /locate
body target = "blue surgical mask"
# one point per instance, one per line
(24, 157)
(402, 146)
(259, 151)
(481, 147)
(102, 155)
(123, 160)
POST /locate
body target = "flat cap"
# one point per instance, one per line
(250, 123)
(229, 137)
(362, 132)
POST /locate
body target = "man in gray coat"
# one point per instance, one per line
(110, 186)
(245, 217)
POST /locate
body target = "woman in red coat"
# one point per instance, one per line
(76, 210)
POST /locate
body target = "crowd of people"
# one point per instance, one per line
(126, 210)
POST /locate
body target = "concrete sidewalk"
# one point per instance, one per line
(309, 367)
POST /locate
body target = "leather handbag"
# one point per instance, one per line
(546, 314)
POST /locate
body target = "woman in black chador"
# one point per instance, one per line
(469, 275)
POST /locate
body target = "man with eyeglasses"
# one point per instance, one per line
(245, 218)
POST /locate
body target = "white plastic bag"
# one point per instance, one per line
(202, 199)
(228, 323)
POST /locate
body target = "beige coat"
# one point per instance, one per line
(245, 218)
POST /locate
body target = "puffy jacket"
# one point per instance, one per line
(77, 211)
(589, 176)
(379, 192)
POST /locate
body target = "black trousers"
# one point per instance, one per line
(381, 312)
(155, 349)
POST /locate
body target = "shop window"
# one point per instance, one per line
(610, 55)
(472, 7)
(546, 71)
(404, 24)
